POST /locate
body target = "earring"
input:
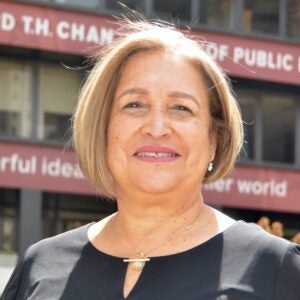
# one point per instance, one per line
(210, 166)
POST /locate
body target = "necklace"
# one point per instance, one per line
(138, 263)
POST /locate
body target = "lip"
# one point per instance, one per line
(163, 154)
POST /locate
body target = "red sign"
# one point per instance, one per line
(256, 59)
(54, 169)
(257, 188)
(81, 33)
(43, 168)
(53, 30)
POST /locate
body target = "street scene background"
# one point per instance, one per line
(43, 49)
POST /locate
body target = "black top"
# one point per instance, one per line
(242, 263)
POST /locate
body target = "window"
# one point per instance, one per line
(278, 128)
(217, 14)
(15, 98)
(247, 104)
(9, 123)
(269, 117)
(83, 4)
(39, 1)
(88, 4)
(261, 16)
(62, 212)
(170, 10)
(58, 90)
(293, 18)
(8, 220)
(138, 5)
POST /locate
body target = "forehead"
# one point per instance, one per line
(148, 60)
(157, 69)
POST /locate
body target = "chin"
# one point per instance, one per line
(157, 183)
(156, 190)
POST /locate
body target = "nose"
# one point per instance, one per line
(157, 124)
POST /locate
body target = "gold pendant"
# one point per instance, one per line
(137, 264)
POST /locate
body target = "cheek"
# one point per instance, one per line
(199, 142)
(114, 130)
(122, 128)
(118, 136)
(198, 132)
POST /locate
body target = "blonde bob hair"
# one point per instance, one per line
(92, 114)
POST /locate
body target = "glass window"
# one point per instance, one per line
(58, 90)
(261, 16)
(278, 128)
(62, 212)
(138, 5)
(39, 1)
(293, 18)
(217, 13)
(247, 104)
(15, 98)
(176, 9)
(84, 4)
(8, 220)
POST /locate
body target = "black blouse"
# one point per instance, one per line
(242, 263)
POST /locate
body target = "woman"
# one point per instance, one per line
(156, 119)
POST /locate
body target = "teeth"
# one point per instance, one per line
(155, 154)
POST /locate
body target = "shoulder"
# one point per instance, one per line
(270, 250)
(240, 236)
(248, 232)
(288, 279)
(272, 264)
(250, 242)
(55, 255)
(55, 246)
(44, 260)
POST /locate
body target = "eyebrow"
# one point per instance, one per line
(184, 96)
(133, 91)
(175, 94)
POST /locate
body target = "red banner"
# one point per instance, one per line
(40, 167)
(81, 33)
(257, 188)
(52, 29)
(54, 169)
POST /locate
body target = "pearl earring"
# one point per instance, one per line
(210, 167)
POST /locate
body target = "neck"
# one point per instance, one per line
(140, 216)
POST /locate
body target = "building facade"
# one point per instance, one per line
(43, 50)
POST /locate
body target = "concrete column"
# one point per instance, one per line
(35, 102)
(238, 15)
(30, 219)
(297, 135)
(258, 134)
(195, 9)
(282, 12)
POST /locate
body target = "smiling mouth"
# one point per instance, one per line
(156, 154)
(156, 157)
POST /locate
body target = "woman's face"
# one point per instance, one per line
(159, 137)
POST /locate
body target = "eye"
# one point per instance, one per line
(182, 108)
(133, 105)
